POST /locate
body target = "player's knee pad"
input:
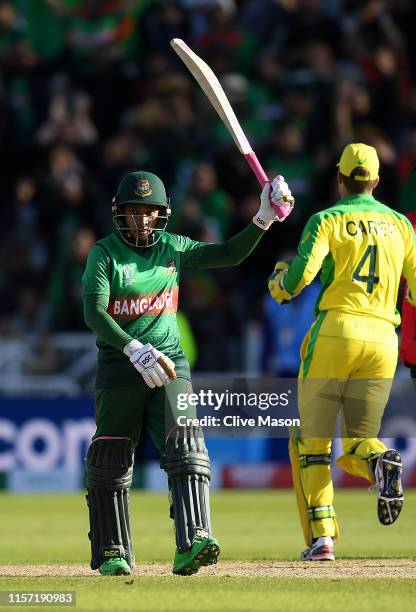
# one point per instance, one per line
(109, 470)
(188, 468)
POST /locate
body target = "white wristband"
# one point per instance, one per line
(131, 347)
(264, 225)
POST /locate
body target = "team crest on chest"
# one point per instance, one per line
(143, 188)
(127, 274)
(171, 267)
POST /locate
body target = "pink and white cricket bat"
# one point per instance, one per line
(216, 95)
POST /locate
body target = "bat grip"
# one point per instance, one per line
(255, 165)
(261, 176)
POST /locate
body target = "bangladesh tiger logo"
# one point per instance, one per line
(143, 188)
(171, 267)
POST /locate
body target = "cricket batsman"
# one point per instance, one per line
(349, 355)
(130, 302)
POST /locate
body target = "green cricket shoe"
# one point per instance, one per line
(203, 551)
(115, 567)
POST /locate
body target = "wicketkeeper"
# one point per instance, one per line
(131, 297)
(349, 355)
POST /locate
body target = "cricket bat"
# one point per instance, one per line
(216, 95)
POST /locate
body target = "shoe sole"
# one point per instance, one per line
(390, 498)
(207, 556)
(117, 573)
(322, 556)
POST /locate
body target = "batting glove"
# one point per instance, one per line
(155, 367)
(276, 287)
(276, 203)
(281, 198)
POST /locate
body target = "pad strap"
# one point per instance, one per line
(307, 460)
(321, 512)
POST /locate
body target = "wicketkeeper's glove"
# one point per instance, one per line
(276, 193)
(155, 367)
(276, 286)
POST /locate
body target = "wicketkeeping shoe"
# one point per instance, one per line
(388, 473)
(321, 550)
(204, 551)
(115, 567)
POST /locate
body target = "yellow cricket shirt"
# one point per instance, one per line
(362, 248)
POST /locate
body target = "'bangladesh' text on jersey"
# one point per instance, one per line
(142, 287)
(363, 247)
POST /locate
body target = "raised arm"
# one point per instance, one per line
(235, 250)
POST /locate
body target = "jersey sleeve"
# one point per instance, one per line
(101, 323)
(96, 278)
(409, 264)
(190, 250)
(96, 286)
(204, 255)
(312, 250)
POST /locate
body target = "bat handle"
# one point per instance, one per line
(255, 165)
(261, 176)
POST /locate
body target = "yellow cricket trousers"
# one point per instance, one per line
(348, 364)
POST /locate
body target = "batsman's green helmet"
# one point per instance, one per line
(141, 188)
(138, 188)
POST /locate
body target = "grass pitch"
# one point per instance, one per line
(260, 539)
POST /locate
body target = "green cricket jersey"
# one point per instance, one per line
(142, 289)
(133, 293)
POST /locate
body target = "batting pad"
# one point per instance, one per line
(188, 467)
(109, 476)
(358, 453)
(314, 492)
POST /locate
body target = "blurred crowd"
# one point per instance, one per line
(90, 89)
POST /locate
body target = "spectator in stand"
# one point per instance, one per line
(66, 311)
(91, 90)
(406, 173)
(214, 202)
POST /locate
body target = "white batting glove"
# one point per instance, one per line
(273, 204)
(279, 191)
(145, 359)
(281, 197)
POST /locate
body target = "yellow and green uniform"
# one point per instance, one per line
(362, 248)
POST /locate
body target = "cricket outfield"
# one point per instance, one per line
(45, 548)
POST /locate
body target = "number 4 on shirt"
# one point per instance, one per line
(371, 279)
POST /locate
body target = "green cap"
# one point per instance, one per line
(141, 188)
(359, 155)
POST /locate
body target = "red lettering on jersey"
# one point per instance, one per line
(132, 307)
